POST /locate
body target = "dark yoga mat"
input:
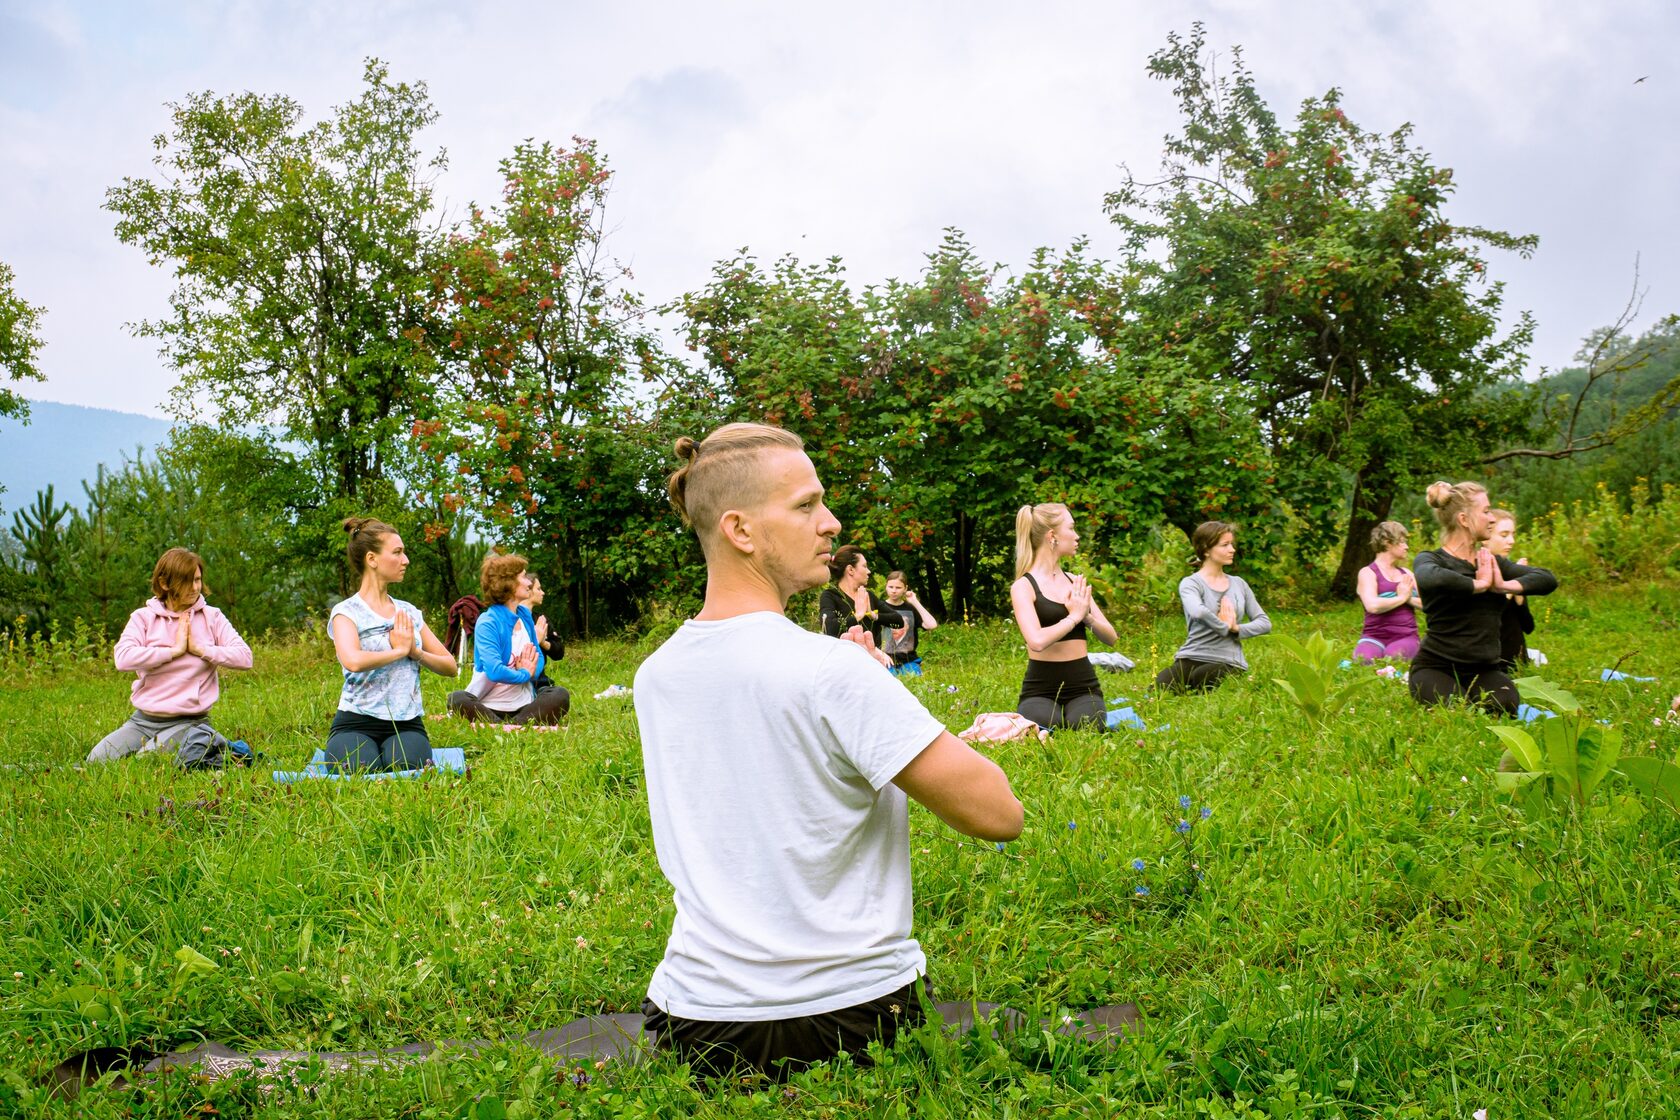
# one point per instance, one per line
(593, 1038)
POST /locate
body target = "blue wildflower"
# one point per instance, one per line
(1072, 825)
(1182, 826)
(1000, 845)
(1138, 865)
(1207, 811)
(1184, 801)
(1140, 890)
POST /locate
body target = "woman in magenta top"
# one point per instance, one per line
(1390, 595)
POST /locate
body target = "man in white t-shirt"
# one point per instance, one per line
(777, 766)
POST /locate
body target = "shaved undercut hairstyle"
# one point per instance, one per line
(722, 472)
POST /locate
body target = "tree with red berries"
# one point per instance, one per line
(936, 407)
(555, 423)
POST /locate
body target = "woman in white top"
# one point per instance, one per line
(381, 643)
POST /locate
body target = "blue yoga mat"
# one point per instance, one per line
(1618, 675)
(1125, 717)
(450, 760)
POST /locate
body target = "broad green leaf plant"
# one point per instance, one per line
(1562, 759)
(1312, 678)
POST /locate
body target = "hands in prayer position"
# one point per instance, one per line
(1228, 613)
(402, 635)
(1079, 602)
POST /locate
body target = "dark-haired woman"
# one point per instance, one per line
(1216, 604)
(848, 601)
(507, 653)
(1055, 611)
(381, 643)
(177, 645)
(1464, 589)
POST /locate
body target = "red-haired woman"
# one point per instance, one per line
(507, 653)
(177, 644)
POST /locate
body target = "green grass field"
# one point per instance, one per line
(1377, 931)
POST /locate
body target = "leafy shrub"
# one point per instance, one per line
(1609, 539)
(1312, 677)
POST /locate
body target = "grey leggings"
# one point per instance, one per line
(357, 750)
(141, 733)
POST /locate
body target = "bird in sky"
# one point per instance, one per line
(1636, 81)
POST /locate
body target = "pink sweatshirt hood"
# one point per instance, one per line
(185, 685)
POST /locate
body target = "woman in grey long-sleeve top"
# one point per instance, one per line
(1215, 605)
(1463, 586)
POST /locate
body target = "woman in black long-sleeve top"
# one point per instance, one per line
(848, 602)
(1464, 589)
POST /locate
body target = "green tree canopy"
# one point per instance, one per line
(20, 343)
(1316, 263)
(302, 257)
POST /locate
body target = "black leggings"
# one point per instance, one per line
(358, 742)
(1063, 694)
(549, 706)
(779, 1047)
(1434, 682)
(1195, 676)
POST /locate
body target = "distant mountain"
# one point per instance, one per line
(64, 443)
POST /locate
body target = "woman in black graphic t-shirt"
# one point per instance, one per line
(848, 601)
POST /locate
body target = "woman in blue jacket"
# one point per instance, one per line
(507, 657)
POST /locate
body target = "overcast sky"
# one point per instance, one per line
(860, 129)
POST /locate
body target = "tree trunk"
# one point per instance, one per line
(574, 587)
(932, 591)
(962, 568)
(1371, 504)
(451, 582)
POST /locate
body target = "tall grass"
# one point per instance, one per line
(1374, 929)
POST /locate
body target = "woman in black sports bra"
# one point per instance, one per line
(1056, 612)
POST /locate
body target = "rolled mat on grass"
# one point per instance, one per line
(447, 760)
(593, 1038)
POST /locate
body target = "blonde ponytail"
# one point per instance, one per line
(1032, 525)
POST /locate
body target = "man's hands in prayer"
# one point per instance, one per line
(867, 640)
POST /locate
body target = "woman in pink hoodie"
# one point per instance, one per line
(176, 644)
